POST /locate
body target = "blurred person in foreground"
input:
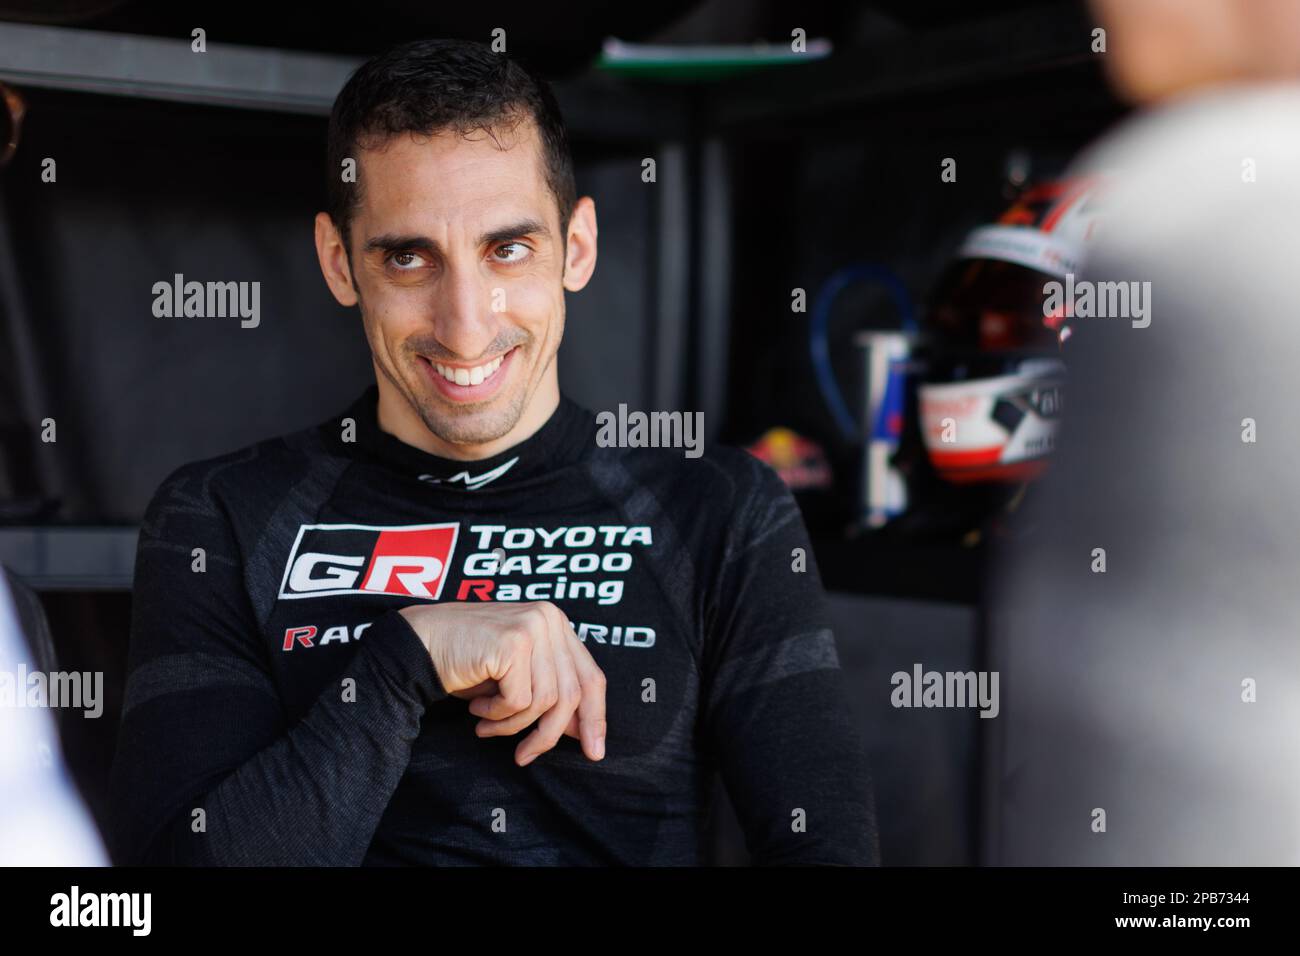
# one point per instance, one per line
(42, 819)
(1146, 631)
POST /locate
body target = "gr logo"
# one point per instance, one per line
(333, 559)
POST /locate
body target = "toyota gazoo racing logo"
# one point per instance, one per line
(334, 559)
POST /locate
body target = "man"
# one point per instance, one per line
(390, 601)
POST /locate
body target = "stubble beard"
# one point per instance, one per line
(466, 425)
(474, 424)
(469, 425)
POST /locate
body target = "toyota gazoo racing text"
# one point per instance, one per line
(581, 562)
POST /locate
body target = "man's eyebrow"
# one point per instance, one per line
(392, 242)
(524, 227)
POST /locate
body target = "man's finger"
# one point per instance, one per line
(591, 708)
(487, 688)
(514, 690)
(543, 697)
(551, 727)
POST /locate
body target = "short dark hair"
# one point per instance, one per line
(432, 86)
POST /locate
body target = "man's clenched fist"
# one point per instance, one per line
(517, 663)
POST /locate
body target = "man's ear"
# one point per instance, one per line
(580, 249)
(334, 260)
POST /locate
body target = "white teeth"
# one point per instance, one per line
(469, 376)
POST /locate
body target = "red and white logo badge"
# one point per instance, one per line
(333, 559)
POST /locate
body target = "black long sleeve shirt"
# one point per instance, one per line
(279, 711)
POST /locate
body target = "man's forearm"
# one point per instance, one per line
(315, 795)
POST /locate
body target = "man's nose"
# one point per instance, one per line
(464, 321)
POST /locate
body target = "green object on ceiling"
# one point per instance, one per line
(699, 63)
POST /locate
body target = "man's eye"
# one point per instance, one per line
(511, 252)
(404, 260)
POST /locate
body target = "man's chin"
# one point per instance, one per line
(473, 424)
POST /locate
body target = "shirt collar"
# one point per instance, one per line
(565, 438)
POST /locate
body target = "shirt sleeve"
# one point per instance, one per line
(775, 713)
(208, 770)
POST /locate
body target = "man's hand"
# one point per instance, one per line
(518, 663)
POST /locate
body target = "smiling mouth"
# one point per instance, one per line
(464, 375)
(469, 384)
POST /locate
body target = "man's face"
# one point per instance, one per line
(458, 264)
